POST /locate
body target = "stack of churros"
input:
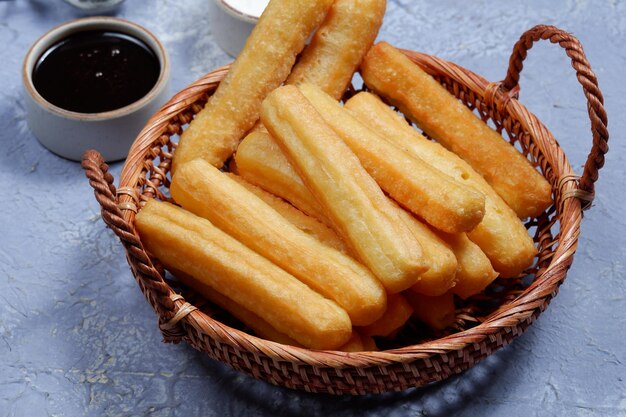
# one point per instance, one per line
(339, 223)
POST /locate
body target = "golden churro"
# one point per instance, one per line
(475, 271)
(185, 242)
(441, 201)
(205, 191)
(267, 166)
(261, 327)
(501, 235)
(354, 344)
(442, 261)
(369, 344)
(261, 162)
(357, 207)
(398, 312)
(339, 45)
(437, 312)
(263, 64)
(307, 224)
(443, 117)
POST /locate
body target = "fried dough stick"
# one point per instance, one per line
(422, 99)
(437, 312)
(442, 261)
(398, 312)
(261, 327)
(501, 235)
(369, 344)
(205, 191)
(263, 64)
(261, 162)
(357, 207)
(355, 344)
(307, 224)
(339, 45)
(441, 201)
(475, 270)
(185, 242)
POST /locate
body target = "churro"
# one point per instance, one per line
(441, 201)
(205, 191)
(357, 207)
(307, 224)
(500, 234)
(443, 117)
(185, 242)
(437, 312)
(261, 162)
(475, 271)
(261, 327)
(339, 45)
(398, 312)
(262, 65)
(268, 167)
(354, 344)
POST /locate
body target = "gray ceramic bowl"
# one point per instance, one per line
(68, 133)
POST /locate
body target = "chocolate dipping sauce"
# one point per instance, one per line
(96, 71)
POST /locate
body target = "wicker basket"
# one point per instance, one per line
(483, 324)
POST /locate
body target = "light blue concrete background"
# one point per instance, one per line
(78, 339)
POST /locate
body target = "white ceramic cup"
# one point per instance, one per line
(233, 20)
(68, 133)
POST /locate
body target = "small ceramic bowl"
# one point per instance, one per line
(233, 20)
(95, 6)
(69, 133)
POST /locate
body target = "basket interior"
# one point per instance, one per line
(154, 182)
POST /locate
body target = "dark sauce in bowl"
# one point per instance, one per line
(96, 71)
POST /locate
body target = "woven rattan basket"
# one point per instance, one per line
(483, 324)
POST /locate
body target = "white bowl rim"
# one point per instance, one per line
(84, 24)
(233, 11)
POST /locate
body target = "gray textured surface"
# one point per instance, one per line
(78, 339)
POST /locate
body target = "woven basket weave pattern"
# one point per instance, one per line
(483, 324)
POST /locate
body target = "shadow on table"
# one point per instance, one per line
(245, 396)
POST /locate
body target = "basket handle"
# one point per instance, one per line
(147, 275)
(589, 82)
